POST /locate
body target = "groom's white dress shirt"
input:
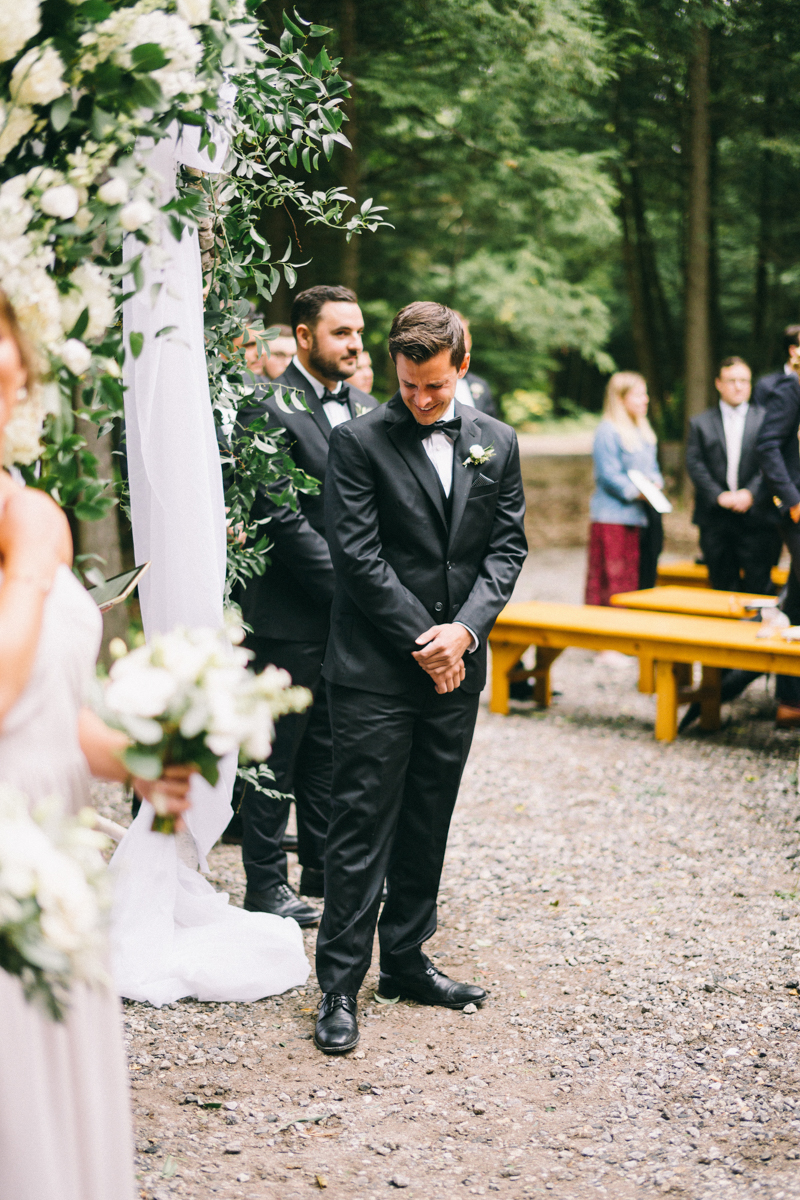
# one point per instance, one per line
(440, 449)
(336, 411)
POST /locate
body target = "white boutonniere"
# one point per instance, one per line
(361, 409)
(478, 455)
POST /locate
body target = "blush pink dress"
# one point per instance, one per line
(65, 1125)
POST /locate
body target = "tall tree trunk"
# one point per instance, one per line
(351, 170)
(102, 537)
(698, 333)
(761, 349)
(663, 337)
(641, 327)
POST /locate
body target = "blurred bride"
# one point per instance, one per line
(65, 1131)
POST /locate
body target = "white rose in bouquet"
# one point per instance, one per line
(188, 697)
(38, 77)
(53, 896)
(21, 443)
(195, 12)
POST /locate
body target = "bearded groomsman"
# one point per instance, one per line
(424, 512)
(288, 607)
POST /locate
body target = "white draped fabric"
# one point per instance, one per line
(172, 934)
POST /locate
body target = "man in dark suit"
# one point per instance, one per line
(763, 387)
(471, 389)
(425, 519)
(288, 607)
(779, 456)
(738, 531)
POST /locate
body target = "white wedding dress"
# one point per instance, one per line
(173, 935)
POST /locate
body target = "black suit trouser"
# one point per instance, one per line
(397, 766)
(301, 761)
(740, 551)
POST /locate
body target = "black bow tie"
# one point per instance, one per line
(341, 397)
(452, 428)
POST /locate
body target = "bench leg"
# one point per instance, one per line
(542, 690)
(666, 703)
(504, 658)
(647, 683)
(710, 699)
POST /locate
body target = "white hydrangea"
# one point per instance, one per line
(91, 160)
(38, 77)
(62, 201)
(15, 122)
(76, 356)
(118, 36)
(19, 22)
(90, 288)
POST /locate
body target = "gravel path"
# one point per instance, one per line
(632, 909)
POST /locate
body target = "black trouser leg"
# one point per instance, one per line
(313, 770)
(739, 550)
(264, 819)
(651, 543)
(388, 817)
(442, 738)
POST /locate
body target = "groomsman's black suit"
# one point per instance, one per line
(481, 394)
(732, 542)
(762, 388)
(406, 557)
(288, 608)
(779, 456)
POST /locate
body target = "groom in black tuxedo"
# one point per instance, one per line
(424, 513)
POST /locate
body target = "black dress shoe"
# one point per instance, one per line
(689, 717)
(430, 987)
(312, 882)
(337, 1028)
(281, 901)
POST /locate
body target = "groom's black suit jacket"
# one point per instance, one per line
(291, 600)
(401, 566)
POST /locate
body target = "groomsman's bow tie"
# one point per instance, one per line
(341, 397)
(451, 428)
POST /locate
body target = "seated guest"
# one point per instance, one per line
(738, 532)
(364, 376)
(624, 441)
(762, 389)
(471, 388)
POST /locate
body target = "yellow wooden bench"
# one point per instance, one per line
(693, 601)
(691, 574)
(672, 641)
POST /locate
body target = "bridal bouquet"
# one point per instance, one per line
(52, 898)
(188, 697)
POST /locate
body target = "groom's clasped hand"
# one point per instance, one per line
(442, 655)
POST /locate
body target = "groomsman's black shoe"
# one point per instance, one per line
(281, 901)
(430, 987)
(689, 717)
(337, 1027)
(289, 842)
(312, 882)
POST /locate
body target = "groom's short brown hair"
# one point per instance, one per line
(423, 329)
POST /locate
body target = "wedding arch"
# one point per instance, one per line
(126, 130)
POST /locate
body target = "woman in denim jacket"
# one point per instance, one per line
(622, 521)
